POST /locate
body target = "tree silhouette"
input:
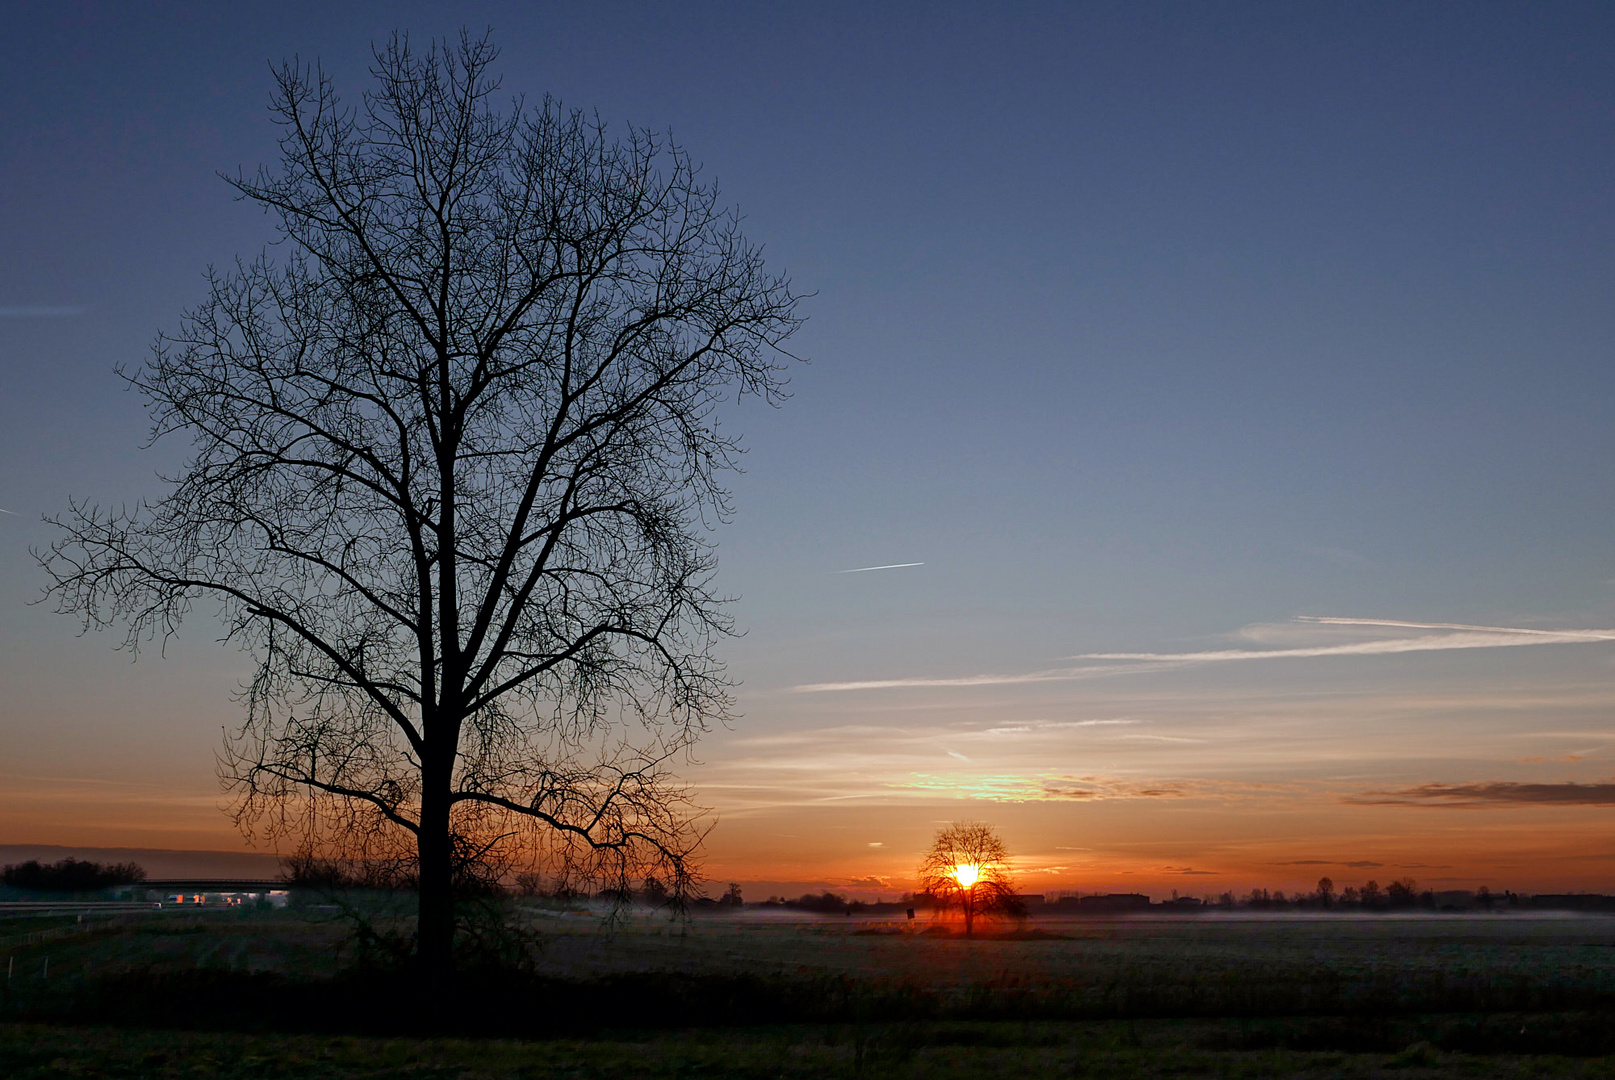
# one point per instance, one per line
(70, 875)
(1402, 892)
(454, 457)
(967, 868)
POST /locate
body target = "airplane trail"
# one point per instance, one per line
(1461, 636)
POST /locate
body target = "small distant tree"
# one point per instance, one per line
(1402, 893)
(1326, 892)
(1370, 894)
(1484, 896)
(967, 867)
(732, 898)
(827, 902)
(654, 893)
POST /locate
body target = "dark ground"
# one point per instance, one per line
(269, 995)
(1084, 1048)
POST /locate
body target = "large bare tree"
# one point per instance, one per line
(455, 458)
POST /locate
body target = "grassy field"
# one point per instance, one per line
(270, 995)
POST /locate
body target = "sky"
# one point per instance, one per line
(1236, 377)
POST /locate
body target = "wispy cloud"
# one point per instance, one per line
(1452, 636)
(1051, 727)
(1336, 620)
(1462, 637)
(870, 881)
(1491, 794)
(1085, 789)
(1050, 675)
(1162, 738)
(1046, 787)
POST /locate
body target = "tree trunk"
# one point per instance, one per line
(970, 912)
(435, 924)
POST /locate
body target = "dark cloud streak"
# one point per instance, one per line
(1490, 794)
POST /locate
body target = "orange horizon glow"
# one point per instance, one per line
(1113, 846)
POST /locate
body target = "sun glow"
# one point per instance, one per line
(966, 874)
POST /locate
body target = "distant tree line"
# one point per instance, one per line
(1401, 894)
(471, 874)
(825, 903)
(655, 893)
(477, 877)
(831, 903)
(70, 875)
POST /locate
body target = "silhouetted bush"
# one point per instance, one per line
(70, 875)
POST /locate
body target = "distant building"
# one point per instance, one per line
(1109, 904)
(1114, 902)
(1570, 902)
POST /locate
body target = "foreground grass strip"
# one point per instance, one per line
(931, 1052)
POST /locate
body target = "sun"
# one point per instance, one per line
(966, 874)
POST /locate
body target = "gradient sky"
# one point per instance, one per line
(1150, 330)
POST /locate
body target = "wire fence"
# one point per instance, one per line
(34, 937)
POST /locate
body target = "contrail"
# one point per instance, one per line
(1333, 620)
(888, 566)
(1488, 639)
(3, 510)
(1463, 636)
(1052, 675)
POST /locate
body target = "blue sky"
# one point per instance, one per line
(1146, 328)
